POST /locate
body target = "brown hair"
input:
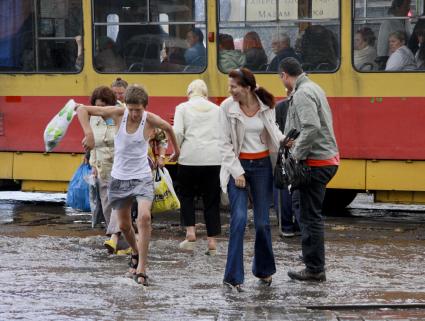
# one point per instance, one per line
(252, 40)
(105, 94)
(245, 78)
(367, 35)
(226, 41)
(136, 95)
(119, 82)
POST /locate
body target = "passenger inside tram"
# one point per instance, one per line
(108, 59)
(173, 56)
(420, 53)
(401, 58)
(229, 58)
(364, 49)
(399, 8)
(413, 43)
(195, 54)
(319, 49)
(281, 47)
(256, 58)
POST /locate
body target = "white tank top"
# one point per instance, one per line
(131, 152)
(252, 142)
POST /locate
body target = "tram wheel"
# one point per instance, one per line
(336, 201)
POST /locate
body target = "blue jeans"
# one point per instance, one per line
(259, 179)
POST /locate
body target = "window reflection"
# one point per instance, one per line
(397, 26)
(152, 36)
(46, 45)
(268, 32)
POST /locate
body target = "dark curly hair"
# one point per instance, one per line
(104, 94)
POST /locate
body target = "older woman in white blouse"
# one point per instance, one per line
(196, 125)
(401, 58)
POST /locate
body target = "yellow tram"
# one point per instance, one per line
(378, 113)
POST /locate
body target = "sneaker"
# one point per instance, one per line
(126, 251)
(284, 234)
(187, 245)
(305, 275)
(111, 246)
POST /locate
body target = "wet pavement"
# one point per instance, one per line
(53, 267)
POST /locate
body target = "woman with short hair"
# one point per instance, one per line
(196, 128)
(401, 58)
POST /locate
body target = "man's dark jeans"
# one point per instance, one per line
(309, 199)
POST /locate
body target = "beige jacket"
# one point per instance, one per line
(232, 135)
(102, 155)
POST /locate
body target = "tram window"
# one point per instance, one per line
(259, 35)
(153, 36)
(40, 36)
(388, 35)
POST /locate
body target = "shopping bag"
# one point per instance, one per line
(57, 127)
(95, 201)
(78, 196)
(165, 198)
(97, 217)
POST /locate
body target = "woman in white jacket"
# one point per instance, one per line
(249, 137)
(196, 125)
(401, 58)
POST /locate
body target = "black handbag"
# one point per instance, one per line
(289, 171)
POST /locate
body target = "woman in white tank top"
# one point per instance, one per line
(131, 174)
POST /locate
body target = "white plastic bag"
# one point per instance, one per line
(57, 127)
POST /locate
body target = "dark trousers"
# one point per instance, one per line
(310, 200)
(203, 181)
(289, 214)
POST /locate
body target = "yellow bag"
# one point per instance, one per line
(165, 198)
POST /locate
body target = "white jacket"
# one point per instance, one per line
(401, 60)
(196, 125)
(232, 135)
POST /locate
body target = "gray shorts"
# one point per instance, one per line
(120, 192)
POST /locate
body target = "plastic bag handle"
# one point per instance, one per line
(157, 175)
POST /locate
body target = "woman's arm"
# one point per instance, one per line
(178, 126)
(229, 158)
(157, 122)
(84, 113)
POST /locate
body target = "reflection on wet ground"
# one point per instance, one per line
(53, 267)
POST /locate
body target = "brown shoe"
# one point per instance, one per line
(305, 275)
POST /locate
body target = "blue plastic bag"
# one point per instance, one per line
(78, 196)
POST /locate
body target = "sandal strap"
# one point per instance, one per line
(141, 275)
(132, 264)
